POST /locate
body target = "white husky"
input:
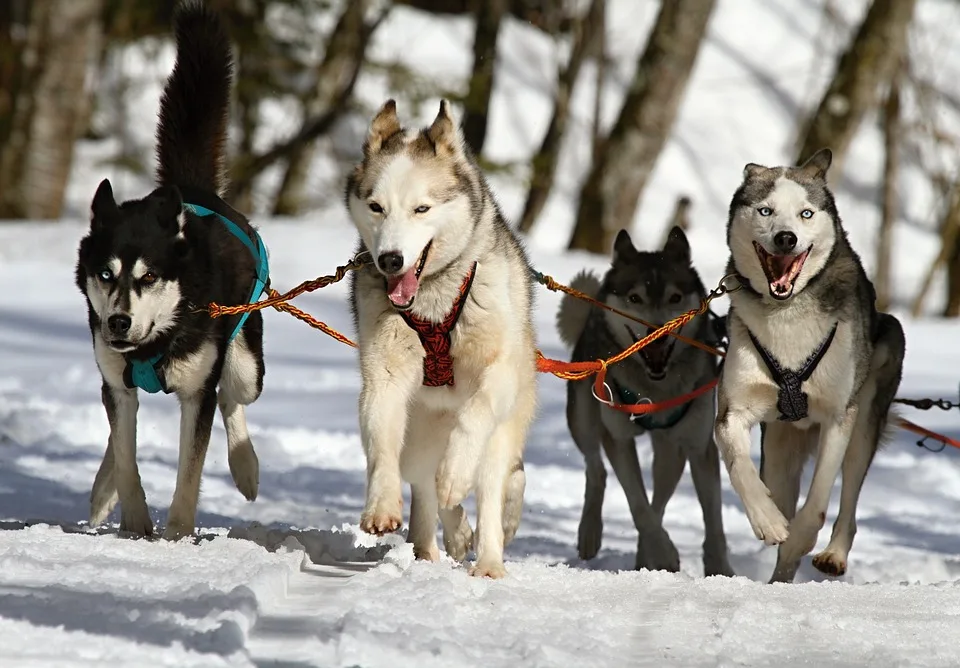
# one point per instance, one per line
(446, 341)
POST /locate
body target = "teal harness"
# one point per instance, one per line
(649, 422)
(148, 374)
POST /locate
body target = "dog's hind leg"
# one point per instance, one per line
(583, 420)
(655, 550)
(240, 384)
(121, 406)
(424, 444)
(513, 501)
(457, 533)
(196, 421)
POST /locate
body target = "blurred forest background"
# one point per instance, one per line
(65, 66)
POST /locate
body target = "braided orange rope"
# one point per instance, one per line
(551, 284)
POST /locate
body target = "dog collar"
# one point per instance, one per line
(648, 421)
(435, 337)
(791, 400)
(148, 374)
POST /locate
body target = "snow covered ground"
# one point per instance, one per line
(289, 580)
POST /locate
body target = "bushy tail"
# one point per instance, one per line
(192, 132)
(573, 312)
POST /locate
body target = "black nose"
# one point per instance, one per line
(390, 263)
(785, 241)
(119, 324)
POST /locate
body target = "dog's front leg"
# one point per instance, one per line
(388, 386)
(196, 421)
(834, 439)
(121, 405)
(732, 434)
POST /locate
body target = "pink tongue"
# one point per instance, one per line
(401, 290)
(781, 264)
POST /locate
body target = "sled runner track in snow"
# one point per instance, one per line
(574, 370)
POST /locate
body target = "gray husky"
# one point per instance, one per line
(810, 359)
(655, 287)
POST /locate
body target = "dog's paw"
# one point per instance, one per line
(454, 483)
(830, 563)
(457, 535)
(245, 469)
(766, 520)
(717, 565)
(135, 519)
(429, 553)
(176, 530)
(382, 518)
(656, 552)
(494, 570)
(589, 539)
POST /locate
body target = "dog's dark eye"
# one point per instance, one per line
(765, 210)
(423, 208)
(376, 208)
(634, 299)
(105, 275)
(806, 213)
(148, 278)
(675, 298)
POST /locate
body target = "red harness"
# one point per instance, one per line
(435, 338)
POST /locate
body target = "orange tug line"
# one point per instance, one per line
(559, 368)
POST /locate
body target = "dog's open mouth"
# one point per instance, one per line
(656, 354)
(781, 270)
(402, 289)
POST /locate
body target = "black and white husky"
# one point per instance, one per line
(149, 266)
(810, 359)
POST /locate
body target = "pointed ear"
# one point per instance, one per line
(623, 248)
(169, 208)
(677, 245)
(444, 133)
(104, 207)
(817, 164)
(753, 170)
(383, 126)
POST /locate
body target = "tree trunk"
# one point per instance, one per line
(49, 106)
(609, 197)
(888, 212)
(868, 63)
(951, 236)
(949, 246)
(544, 164)
(488, 15)
(680, 218)
(336, 77)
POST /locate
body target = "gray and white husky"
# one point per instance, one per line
(810, 358)
(446, 341)
(655, 287)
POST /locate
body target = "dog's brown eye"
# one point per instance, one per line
(634, 299)
(148, 278)
(675, 298)
(376, 208)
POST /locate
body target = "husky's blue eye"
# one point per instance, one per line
(376, 208)
(806, 213)
(765, 210)
(423, 208)
(105, 275)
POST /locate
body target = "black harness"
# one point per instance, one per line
(791, 400)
